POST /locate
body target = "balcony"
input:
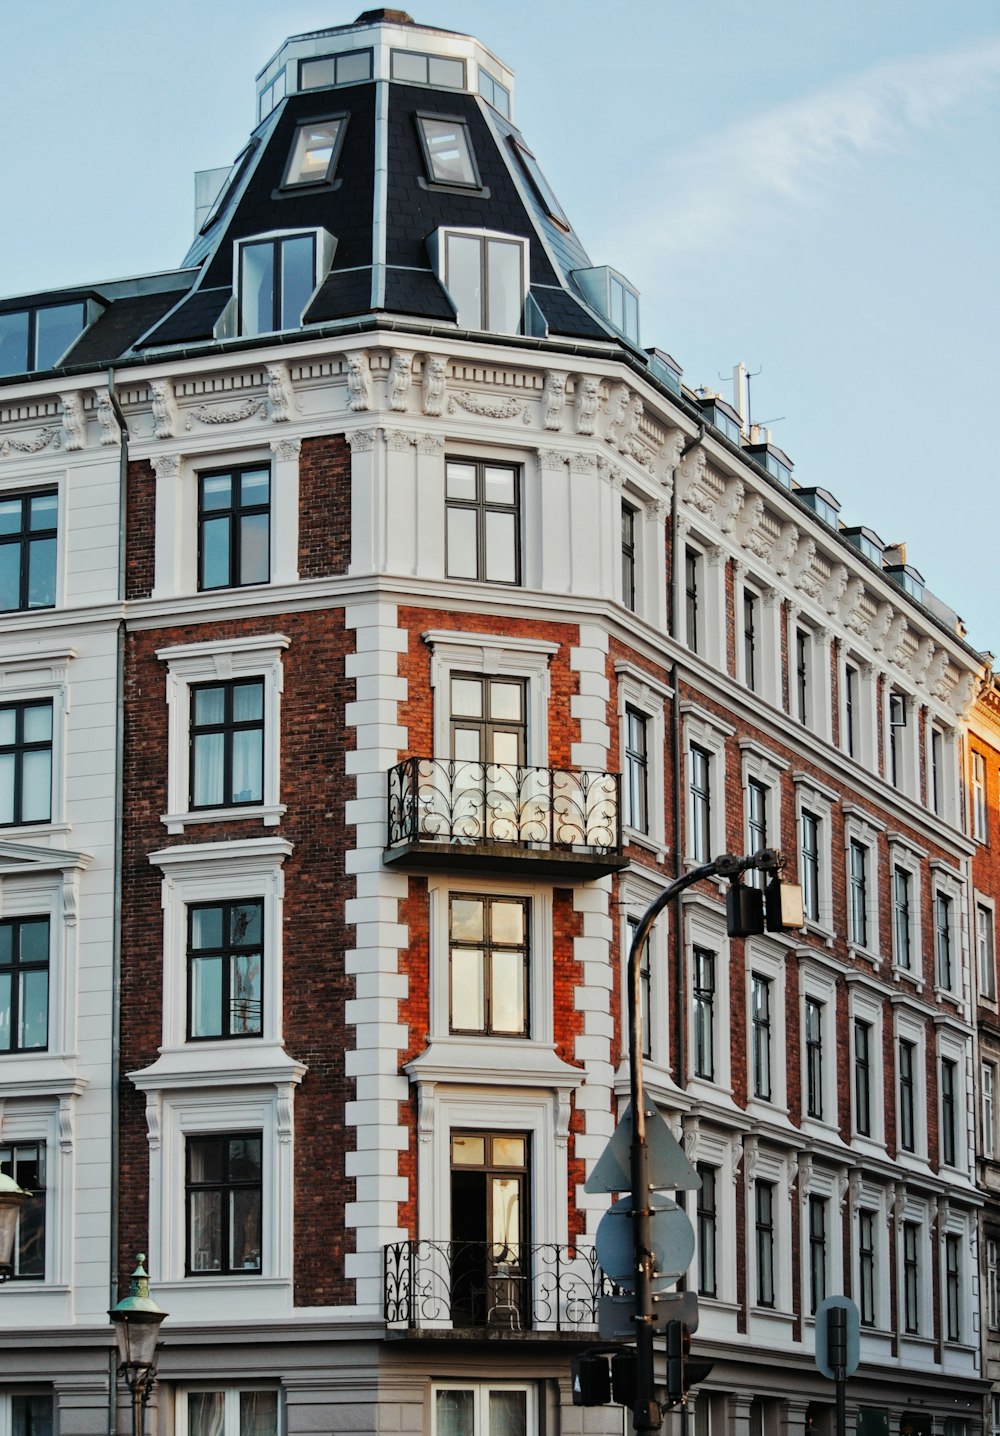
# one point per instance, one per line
(496, 817)
(465, 1288)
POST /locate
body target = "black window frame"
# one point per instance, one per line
(803, 655)
(16, 967)
(953, 1286)
(227, 1185)
(949, 1111)
(536, 179)
(486, 948)
(866, 1265)
(986, 951)
(762, 1085)
(26, 1162)
(859, 855)
(19, 748)
(810, 824)
(645, 982)
(758, 796)
(629, 515)
(764, 1242)
(487, 724)
(276, 243)
(851, 676)
(24, 539)
(906, 1056)
(911, 1278)
(703, 988)
(236, 511)
(700, 788)
(814, 1057)
(692, 597)
(863, 1077)
(289, 187)
(751, 613)
(902, 906)
(229, 727)
(898, 713)
(481, 506)
(228, 950)
(818, 1212)
(636, 754)
(944, 940)
(32, 311)
(706, 1214)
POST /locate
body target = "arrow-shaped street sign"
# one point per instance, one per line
(668, 1167)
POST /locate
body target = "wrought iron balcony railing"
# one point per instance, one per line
(440, 807)
(457, 1285)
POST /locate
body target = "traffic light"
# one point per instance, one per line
(682, 1372)
(591, 1379)
(750, 911)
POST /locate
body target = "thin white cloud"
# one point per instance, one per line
(791, 154)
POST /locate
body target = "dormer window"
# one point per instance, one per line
(276, 279)
(485, 274)
(314, 153)
(448, 151)
(32, 339)
(414, 68)
(612, 296)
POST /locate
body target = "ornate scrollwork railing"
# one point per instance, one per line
(545, 1286)
(452, 801)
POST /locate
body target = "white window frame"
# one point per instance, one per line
(865, 1005)
(773, 1167)
(819, 801)
(767, 645)
(824, 1183)
(907, 768)
(951, 1049)
(910, 1028)
(438, 246)
(986, 958)
(947, 806)
(956, 1223)
(949, 883)
(713, 1148)
(902, 854)
(915, 1211)
(766, 960)
(865, 745)
(873, 1199)
(636, 891)
(820, 985)
(221, 660)
(640, 691)
(862, 828)
(992, 1265)
(496, 657)
(49, 1122)
(711, 570)
(766, 768)
(703, 730)
(324, 249)
(482, 1390)
(231, 1403)
(988, 1109)
(39, 676)
(705, 926)
(980, 819)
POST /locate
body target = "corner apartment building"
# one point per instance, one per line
(451, 624)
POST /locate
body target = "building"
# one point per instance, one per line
(448, 624)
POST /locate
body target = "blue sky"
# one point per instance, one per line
(809, 186)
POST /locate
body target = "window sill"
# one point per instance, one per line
(245, 1062)
(512, 1061)
(815, 929)
(906, 974)
(651, 844)
(270, 814)
(855, 950)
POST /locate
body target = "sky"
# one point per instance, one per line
(810, 187)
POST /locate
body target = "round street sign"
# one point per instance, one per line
(671, 1237)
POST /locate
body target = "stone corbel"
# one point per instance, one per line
(618, 412)
(588, 393)
(554, 399)
(166, 466)
(784, 549)
(400, 379)
(166, 416)
(835, 588)
(74, 426)
(435, 383)
(730, 505)
(358, 381)
(279, 393)
(154, 1113)
(107, 418)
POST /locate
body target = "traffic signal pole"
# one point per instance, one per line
(647, 1414)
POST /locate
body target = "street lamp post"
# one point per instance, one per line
(12, 1199)
(137, 1320)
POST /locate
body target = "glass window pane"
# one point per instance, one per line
(298, 278)
(506, 1218)
(461, 481)
(35, 1007)
(507, 991)
(468, 1151)
(245, 923)
(312, 152)
(258, 1413)
(315, 74)
(209, 705)
(463, 277)
(412, 68)
(467, 1003)
(205, 1159)
(8, 725)
(506, 700)
(216, 491)
(508, 1413)
(55, 330)
(446, 72)
(11, 511)
(501, 553)
(255, 487)
(255, 546)
(6, 989)
(462, 553)
(206, 997)
(465, 749)
(206, 927)
(499, 485)
(35, 940)
(257, 288)
(248, 767)
(36, 791)
(508, 1151)
(6, 787)
(6, 944)
(467, 919)
(14, 342)
(356, 65)
(31, 1415)
(248, 702)
(506, 298)
(209, 756)
(506, 749)
(507, 922)
(244, 1000)
(455, 1411)
(206, 1231)
(467, 697)
(448, 151)
(215, 553)
(41, 573)
(205, 1412)
(38, 723)
(245, 1230)
(10, 576)
(43, 511)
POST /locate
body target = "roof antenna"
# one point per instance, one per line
(741, 377)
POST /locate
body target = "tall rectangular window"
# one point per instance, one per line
(907, 1078)
(489, 965)
(866, 1266)
(803, 677)
(31, 1415)
(485, 278)
(645, 985)
(277, 278)
(859, 892)
(483, 521)
(814, 1058)
(851, 679)
(227, 743)
(706, 1218)
(863, 1077)
(809, 864)
(751, 611)
(760, 1025)
(943, 939)
(764, 1233)
(817, 1252)
(232, 1412)
(902, 885)
(701, 805)
(987, 1091)
(225, 968)
(224, 1195)
(636, 770)
(628, 555)
(25, 1163)
(28, 532)
(953, 1286)
(937, 770)
(898, 715)
(692, 598)
(985, 953)
(703, 995)
(757, 795)
(24, 984)
(911, 1277)
(949, 1110)
(979, 819)
(992, 1284)
(234, 527)
(25, 762)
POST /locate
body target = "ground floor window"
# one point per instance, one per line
(232, 1412)
(484, 1411)
(31, 1415)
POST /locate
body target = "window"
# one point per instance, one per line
(343, 69)
(315, 148)
(902, 883)
(636, 771)
(25, 763)
(32, 339)
(483, 521)
(980, 830)
(851, 714)
(234, 527)
(25, 1163)
(227, 743)
(817, 1252)
(760, 1024)
(911, 1277)
(937, 773)
(953, 1286)
(943, 940)
(949, 1114)
(992, 1283)
(225, 962)
(907, 1078)
(705, 1216)
(31, 1415)
(271, 94)
(866, 1265)
(987, 1090)
(232, 1412)
(809, 825)
(751, 616)
(703, 996)
(862, 1077)
(628, 555)
(645, 983)
(24, 984)
(536, 178)
(494, 93)
(485, 276)
(28, 528)
(277, 277)
(488, 723)
(898, 718)
(814, 1058)
(415, 68)
(448, 151)
(764, 1230)
(757, 799)
(859, 892)
(489, 965)
(985, 952)
(701, 804)
(484, 1410)
(692, 591)
(803, 657)
(623, 307)
(490, 1191)
(224, 1204)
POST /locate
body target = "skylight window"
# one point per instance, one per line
(418, 69)
(448, 151)
(314, 152)
(32, 339)
(346, 69)
(543, 190)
